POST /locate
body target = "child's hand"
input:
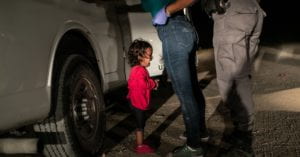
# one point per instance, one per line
(157, 84)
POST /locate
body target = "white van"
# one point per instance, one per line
(57, 60)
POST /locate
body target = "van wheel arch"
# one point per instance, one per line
(74, 69)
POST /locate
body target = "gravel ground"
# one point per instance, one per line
(276, 87)
(277, 121)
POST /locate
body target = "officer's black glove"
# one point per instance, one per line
(215, 6)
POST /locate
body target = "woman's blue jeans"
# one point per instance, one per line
(179, 41)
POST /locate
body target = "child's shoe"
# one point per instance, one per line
(144, 149)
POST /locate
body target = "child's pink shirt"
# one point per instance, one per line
(140, 85)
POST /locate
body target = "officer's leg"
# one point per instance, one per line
(254, 38)
(248, 46)
(224, 65)
(244, 107)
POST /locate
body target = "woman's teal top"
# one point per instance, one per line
(153, 6)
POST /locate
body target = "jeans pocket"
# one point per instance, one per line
(184, 34)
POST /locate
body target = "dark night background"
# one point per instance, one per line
(280, 25)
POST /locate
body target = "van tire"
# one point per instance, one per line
(76, 126)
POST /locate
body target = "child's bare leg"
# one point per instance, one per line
(139, 137)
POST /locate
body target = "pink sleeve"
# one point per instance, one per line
(152, 83)
(140, 79)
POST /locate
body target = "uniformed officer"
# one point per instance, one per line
(237, 28)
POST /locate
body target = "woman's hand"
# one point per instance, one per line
(161, 17)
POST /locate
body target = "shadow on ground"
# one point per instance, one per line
(125, 127)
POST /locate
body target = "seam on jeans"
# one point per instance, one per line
(171, 70)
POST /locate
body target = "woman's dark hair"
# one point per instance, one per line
(137, 50)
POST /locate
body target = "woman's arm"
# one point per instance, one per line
(178, 5)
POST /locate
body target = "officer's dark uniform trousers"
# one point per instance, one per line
(236, 39)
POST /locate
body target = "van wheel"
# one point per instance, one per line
(77, 125)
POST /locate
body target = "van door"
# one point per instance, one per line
(140, 26)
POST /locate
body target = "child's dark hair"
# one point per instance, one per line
(137, 50)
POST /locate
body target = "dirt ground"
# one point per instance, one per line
(277, 120)
(276, 87)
